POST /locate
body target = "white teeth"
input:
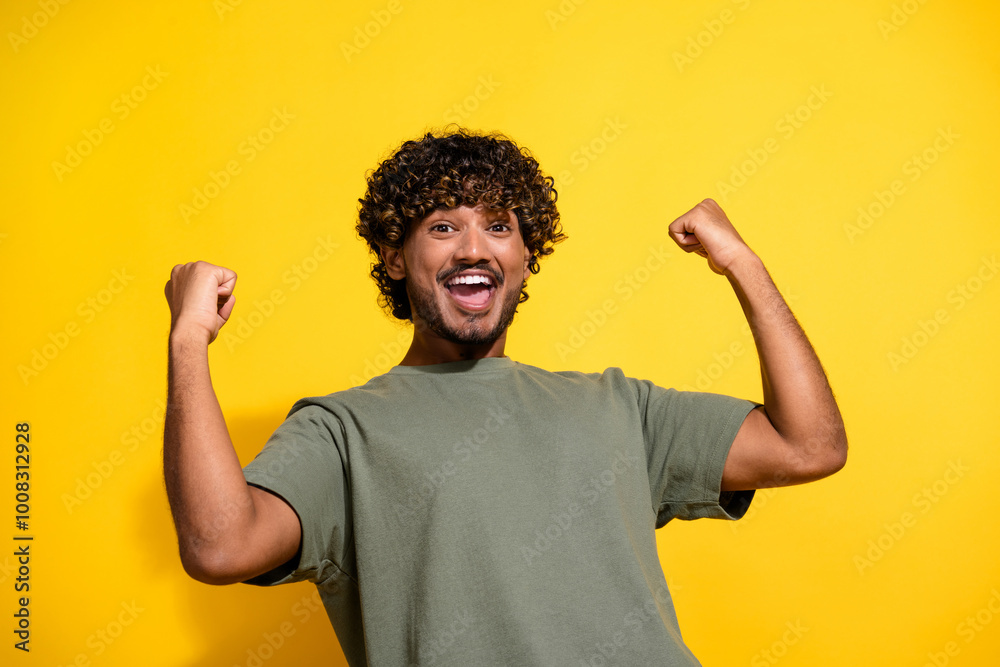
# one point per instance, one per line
(470, 280)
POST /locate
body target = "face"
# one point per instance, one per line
(464, 268)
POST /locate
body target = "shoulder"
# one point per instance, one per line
(336, 402)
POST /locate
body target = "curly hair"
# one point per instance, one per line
(446, 171)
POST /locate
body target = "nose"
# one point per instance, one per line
(473, 246)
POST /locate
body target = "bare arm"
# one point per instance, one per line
(798, 436)
(227, 531)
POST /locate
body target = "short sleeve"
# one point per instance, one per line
(303, 463)
(688, 436)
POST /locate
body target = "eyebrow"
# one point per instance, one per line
(499, 216)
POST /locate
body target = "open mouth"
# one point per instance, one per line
(471, 291)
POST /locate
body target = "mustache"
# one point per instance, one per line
(445, 275)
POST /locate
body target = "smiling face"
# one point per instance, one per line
(464, 268)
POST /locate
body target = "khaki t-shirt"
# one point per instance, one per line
(492, 513)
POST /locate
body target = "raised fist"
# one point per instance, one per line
(201, 298)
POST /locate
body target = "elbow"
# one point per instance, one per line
(836, 462)
(826, 457)
(838, 451)
(210, 566)
(842, 456)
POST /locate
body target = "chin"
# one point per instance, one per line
(464, 327)
(476, 335)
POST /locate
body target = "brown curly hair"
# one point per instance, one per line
(448, 170)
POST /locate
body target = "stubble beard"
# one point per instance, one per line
(424, 308)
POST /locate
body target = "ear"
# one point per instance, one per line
(395, 265)
(527, 262)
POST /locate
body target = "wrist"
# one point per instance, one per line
(188, 338)
(744, 265)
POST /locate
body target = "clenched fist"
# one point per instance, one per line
(201, 299)
(705, 230)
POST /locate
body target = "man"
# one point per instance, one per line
(464, 508)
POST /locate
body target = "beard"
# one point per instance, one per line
(425, 308)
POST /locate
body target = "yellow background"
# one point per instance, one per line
(639, 110)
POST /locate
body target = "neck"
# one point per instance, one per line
(428, 348)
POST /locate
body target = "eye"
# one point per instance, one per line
(441, 227)
(499, 227)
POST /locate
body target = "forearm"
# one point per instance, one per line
(797, 397)
(211, 503)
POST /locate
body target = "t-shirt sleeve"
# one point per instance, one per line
(688, 436)
(303, 463)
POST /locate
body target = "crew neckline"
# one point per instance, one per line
(464, 366)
